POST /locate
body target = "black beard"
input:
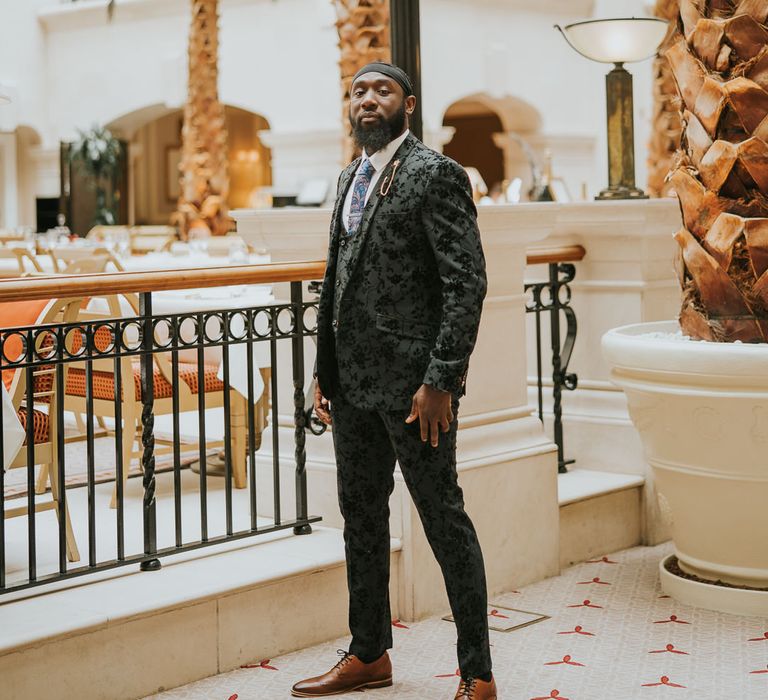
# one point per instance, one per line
(373, 137)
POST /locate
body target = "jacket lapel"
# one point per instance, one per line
(387, 180)
(326, 295)
(344, 182)
(383, 184)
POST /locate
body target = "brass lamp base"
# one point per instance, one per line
(621, 138)
(622, 193)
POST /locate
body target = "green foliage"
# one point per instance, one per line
(97, 154)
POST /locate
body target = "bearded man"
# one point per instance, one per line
(397, 320)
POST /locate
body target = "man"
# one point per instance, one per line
(397, 321)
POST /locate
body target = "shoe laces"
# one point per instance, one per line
(467, 688)
(345, 658)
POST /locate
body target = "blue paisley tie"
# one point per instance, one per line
(359, 189)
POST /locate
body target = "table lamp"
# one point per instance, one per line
(618, 41)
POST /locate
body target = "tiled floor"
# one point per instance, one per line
(611, 635)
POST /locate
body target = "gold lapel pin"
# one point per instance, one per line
(387, 181)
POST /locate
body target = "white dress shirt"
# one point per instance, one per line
(379, 160)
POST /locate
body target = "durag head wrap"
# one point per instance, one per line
(397, 74)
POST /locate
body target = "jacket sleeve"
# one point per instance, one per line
(449, 218)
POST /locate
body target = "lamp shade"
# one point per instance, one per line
(616, 40)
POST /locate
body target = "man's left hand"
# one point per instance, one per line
(433, 409)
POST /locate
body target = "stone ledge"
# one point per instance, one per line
(583, 484)
(184, 580)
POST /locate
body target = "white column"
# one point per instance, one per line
(45, 171)
(507, 467)
(301, 156)
(436, 139)
(9, 200)
(626, 277)
(135, 154)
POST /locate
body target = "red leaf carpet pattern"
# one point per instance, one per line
(626, 641)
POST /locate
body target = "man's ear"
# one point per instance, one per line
(410, 104)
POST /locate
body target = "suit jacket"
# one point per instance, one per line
(401, 299)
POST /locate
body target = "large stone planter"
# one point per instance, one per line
(702, 413)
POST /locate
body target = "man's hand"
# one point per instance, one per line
(433, 409)
(322, 407)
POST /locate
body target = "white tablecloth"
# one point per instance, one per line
(188, 300)
(191, 300)
(13, 433)
(166, 261)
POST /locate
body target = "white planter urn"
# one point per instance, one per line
(701, 410)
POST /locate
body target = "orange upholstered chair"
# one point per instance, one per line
(45, 401)
(130, 401)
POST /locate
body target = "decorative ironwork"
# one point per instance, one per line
(148, 431)
(299, 417)
(554, 298)
(48, 353)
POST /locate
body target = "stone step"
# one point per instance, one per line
(600, 512)
(130, 634)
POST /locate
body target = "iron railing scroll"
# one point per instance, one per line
(552, 298)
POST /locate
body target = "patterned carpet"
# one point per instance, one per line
(611, 635)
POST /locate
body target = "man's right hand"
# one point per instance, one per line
(322, 407)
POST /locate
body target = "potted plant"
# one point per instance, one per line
(697, 389)
(97, 153)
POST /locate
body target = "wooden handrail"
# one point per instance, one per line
(564, 253)
(62, 286)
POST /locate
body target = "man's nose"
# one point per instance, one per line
(369, 101)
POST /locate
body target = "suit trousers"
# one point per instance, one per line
(367, 444)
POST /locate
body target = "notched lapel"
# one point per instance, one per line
(341, 194)
(387, 180)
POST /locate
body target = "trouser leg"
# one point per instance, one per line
(365, 462)
(430, 474)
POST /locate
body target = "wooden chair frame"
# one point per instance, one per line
(65, 311)
(131, 407)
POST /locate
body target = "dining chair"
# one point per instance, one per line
(103, 234)
(25, 261)
(220, 246)
(104, 404)
(151, 239)
(75, 260)
(43, 410)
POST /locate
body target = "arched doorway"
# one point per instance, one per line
(472, 144)
(154, 137)
(500, 136)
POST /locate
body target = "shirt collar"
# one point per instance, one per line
(380, 159)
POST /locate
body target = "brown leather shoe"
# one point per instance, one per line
(347, 675)
(475, 689)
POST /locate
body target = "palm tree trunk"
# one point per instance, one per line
(204, 175)
(363, 27)
(720, 65)
(666, 127)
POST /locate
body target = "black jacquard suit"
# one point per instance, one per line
(400, 307)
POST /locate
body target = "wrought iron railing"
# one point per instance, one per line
(66, 363)
(552, 298)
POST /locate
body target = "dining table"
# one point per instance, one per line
(183, 301)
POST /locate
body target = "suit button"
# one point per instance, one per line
(335, 323)
(343, 242)
(338, 283)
